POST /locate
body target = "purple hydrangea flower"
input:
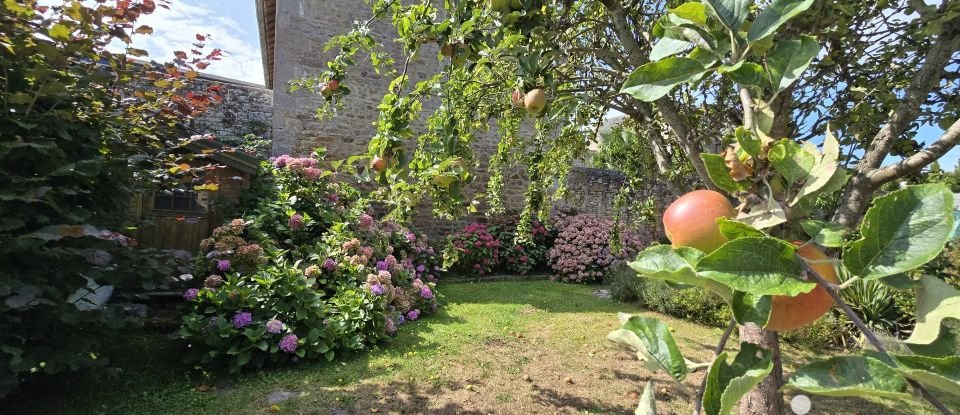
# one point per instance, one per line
(411, 237)
(382, 266)
(366, 221)
(329, 264)
(391, 328)
(242, 319)
(296, 221)
(401, 320)
(333, 197)
(223, 265)
(191, 294)
(426, 293)
(274, 326)
(413, 314)
(289, 343)
(421, 268)
(376, 289)
(99, 257)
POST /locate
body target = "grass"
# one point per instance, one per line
(496, 347)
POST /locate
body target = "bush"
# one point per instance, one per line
(73, 150)
(582, 252)
(306, 273)
(521, 255)
(473, 250)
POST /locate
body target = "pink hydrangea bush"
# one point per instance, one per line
(582, 252)
(473, 250)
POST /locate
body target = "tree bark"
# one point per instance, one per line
(856, 195)
(766, 398)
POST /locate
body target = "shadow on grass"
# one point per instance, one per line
(146, 375)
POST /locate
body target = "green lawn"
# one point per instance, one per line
(496, 347)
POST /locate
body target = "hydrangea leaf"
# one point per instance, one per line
(648, 403)
(902, 231)
(824, 233)
(937, 372)
(675, 266)
(936, 301)
(727, 383)
(751, 308)
(654, 80)
(732, 229)
(850, 376)
(761, 266)
(654, 344)
(775, 15)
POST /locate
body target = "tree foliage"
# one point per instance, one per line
(83, 128)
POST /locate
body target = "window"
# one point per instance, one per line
(177, 201)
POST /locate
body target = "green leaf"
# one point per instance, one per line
(675, 266)
(764, 214)
(648, 403)
(720, 175)
(938, 372)
(692, 11)
(751, 144)
(789, 59)
(850, 376)
(775, 15)
(748, 73)
(668, 47)
(732, 229)
(824, 171)
(902, 231)
(762, 266)
(936, 301)
(654, 80)
(824, 233)
(731, 13)
(60, 31)
(652, 341)
(728, 383)
(791, 160)
(751, 308)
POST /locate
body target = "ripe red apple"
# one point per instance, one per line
(326, 91)
(333, 84)
(791, 313)
(691, 220)
(535, 101)
(517, 98)
(378, 164)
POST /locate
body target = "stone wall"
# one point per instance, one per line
(246, 109)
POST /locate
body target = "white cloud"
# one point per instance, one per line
(174, 30)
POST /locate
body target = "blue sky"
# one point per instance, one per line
(230, 24)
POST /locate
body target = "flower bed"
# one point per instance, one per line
(305, 273)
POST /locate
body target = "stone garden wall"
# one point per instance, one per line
(246, 109)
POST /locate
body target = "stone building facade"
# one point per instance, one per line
(293, 36)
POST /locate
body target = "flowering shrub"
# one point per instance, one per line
(582, 252)
(521, 256)
(308, 272)
(473, 250)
